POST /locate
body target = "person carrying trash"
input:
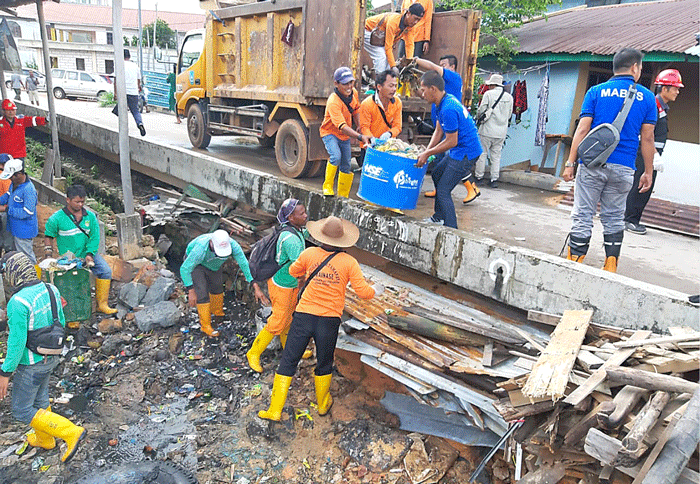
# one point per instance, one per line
(380, 113)
(203, 277)
(282, 287)
(342, 108)
(326, 270)
(35, 314)
(77, 231)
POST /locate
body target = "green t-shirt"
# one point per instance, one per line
(69, 237)
(289, 246)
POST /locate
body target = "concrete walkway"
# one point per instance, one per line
(514, 215)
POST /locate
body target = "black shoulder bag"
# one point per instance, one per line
(313, 274)
(480, 120)
(49, 339)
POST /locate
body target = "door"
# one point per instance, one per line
(71, 83)
(88, 86)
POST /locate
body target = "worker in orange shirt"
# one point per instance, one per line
(421, 31)
(395, 26)
(380, 114)
(342, 108)
(6, 242)
(327, 270)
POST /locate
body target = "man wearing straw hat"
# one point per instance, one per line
(327, 270)
(493, 114)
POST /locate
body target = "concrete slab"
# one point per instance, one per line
(506, 251)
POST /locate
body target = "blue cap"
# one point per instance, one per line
(343, 75)
(4, 158)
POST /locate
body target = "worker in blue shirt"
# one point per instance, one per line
(456, 136)
(20, 204)
(203, 277)
(610, 184)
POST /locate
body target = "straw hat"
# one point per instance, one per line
(334, 231)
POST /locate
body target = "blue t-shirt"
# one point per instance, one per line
(604, 101)
(453, 83)
(452, 116)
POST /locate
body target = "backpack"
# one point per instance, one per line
(262, 260)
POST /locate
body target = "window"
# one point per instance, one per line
(191, 50)
(80, 64)
(57, 73)
(54, 62)
(110, 38)
(86, 77)
(109, 66)
(72, 75)
(15, 29)
(80, 37)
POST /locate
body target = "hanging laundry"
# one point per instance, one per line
(519, 99)
(543, 94)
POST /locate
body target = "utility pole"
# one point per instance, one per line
(124, 155)
(49, 89)
(140, 42)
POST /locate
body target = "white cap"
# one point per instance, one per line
(11, 167)
(222, 243)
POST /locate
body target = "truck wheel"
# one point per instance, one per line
(59, 93)
(196, 127)
(292, 148)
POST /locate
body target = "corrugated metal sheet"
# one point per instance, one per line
(674, 217)
(666, 26)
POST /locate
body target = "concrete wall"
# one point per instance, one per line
(519, 277)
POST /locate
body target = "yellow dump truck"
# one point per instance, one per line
(265, 69)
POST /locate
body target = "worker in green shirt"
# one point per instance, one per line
(77, 231)
(282, 287)
(203, 277)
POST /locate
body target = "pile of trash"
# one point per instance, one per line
(400, 148)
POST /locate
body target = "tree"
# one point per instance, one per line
(126, 41)
(499, 16)
(165, 36)
(135, 40)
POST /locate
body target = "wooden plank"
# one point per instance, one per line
(553, 320)
(656, 341)
(600, 374)
(633, 445)
(581, 428)
(652, 381)
(589, 361)
(432, 329)
(487, 359)
(683, 363)
(550, 375)
(625, 400)
(651, 458)
(604, 448)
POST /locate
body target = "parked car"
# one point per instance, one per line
(71, 84)
(23, 75)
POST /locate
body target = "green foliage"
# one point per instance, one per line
(165, 36)
(126, 41)
(34, 161)
(31, 65)
(103, 211)
(499, 16)
(135, 41)
(107, 100)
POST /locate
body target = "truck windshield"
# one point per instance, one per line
(191, 50)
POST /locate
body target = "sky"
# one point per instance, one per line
(189, 6)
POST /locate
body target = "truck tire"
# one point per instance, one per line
(316, 168)
(292, 148)
(196, 127)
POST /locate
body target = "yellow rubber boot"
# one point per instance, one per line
(283, 339)
(575, 258)
(261, 341)
(430, 194)
(37, 438)
(323, 393)
(329, 181)
(280, 388)
(38, 271)
(216, 302)
(102, 294)
(610, 264)
(345, 184)
(58, 426)
(472, 192)
(204, 311)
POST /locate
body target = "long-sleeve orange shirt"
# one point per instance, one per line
(393, 28)
(325, 293)
(422, 30)
(371, 121)
(338, 115)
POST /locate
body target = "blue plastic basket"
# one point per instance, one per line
(390, 180)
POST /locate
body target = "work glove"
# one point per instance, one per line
(378, 289)
(658, 164)
(385, 136)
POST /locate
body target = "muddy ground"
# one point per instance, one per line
(175, 395)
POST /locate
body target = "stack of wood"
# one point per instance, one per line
(582, 402)
(245, 223)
